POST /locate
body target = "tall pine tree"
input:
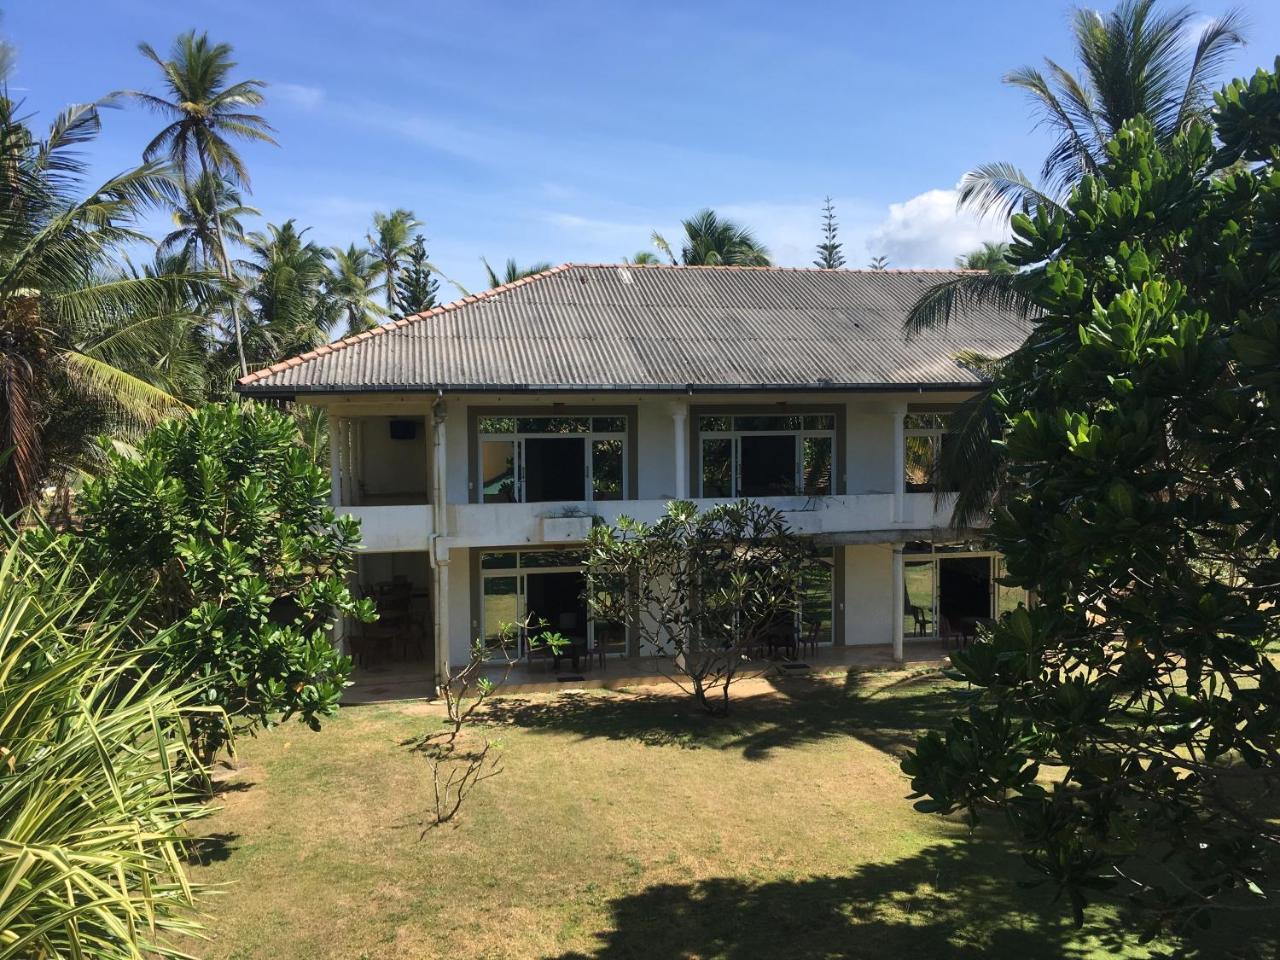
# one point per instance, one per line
(829, 254)
(416, 284)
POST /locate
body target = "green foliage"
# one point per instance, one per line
(702, 589)
(226, 517)
(417, 287)
(96, 776)
(830, 256)
(1130, 724)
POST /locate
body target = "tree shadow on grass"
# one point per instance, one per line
(948, 901)
(211, 848)
(800, 710)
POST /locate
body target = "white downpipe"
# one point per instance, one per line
(898, 603)
(680, 429)
(439, 528)
(899, 464)
(335, 461)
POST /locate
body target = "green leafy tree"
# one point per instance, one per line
(223, 519)
(1134, 61)
(512, 272)
(290, 309)
(1129, 724)
(389, 246)
(643, 258)
(206, 112)
(418, 287)
(990, 257)
(711, 240)
(98, 784)
(353, 287)
(703, 590)
(67, 306)
(194, 235)
(830, 256)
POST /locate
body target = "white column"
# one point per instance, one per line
(440, 605)
(898, 603)
(335, 461)
(899, 464)
(680, 430)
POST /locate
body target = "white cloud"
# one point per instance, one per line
(928, 231)
(299, 95)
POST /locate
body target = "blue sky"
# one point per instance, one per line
(570, 130)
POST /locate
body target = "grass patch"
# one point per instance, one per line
(625, 825)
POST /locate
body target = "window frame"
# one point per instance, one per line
(734, 435)
(478, 438)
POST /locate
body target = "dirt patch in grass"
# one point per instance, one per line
(624, 825)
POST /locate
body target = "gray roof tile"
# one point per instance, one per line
(649, 328)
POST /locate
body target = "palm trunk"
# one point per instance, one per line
(226, 269)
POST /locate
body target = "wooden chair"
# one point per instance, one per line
(949, 633)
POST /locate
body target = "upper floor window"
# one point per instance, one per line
(925, 436)
(766, 455)
(537, 459)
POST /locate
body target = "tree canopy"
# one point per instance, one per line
(1129, 724)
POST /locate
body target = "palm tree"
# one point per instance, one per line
(206, 113)
(1136, 62)
(991, 257)
(713, 241)
(204, 200)
(352, 286)
(290, 308)
(642, 258)
(512, 272)
(71, 321)
(390, 243)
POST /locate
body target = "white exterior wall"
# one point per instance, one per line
(868, 594)
(866, 506)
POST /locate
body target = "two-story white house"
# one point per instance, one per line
(477, 442)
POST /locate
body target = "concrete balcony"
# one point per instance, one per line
(514, 524)
(393, 528)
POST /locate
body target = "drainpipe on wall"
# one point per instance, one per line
(899, 463)
(439, 529)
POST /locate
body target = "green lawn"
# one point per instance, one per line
(624, 825)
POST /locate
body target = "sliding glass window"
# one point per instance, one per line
(540, 459)
(766, 455)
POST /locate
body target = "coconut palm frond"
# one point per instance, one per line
(999, 190)
(940, 302)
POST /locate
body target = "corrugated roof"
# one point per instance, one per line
(602, 327)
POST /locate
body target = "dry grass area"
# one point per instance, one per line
(624, 825)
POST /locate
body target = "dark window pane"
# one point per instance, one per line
(820, 421)
(817, 466)
(498, 561)
(554, 469)
(917, 584)
(554, 425)
(768, 423)
(609, 424)
(501, 611)
(552, 558)
(944, 441)
(498, 471)
(768, 466)
(925, 421)
(606, 470)
(919, 464)
(497, 425)
(719, 424)
(717, 468)
(816, 600)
